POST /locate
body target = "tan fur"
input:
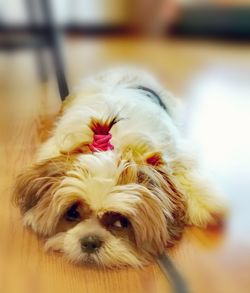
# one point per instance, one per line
(34, 192)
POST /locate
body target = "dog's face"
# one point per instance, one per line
(102, 208)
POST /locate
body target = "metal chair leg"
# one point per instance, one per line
(53, 44)
(39, 51)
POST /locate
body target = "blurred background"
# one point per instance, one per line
(200, 49)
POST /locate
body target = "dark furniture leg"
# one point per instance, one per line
(55, 49)
(39, 50)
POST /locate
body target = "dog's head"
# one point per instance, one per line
(102, 208)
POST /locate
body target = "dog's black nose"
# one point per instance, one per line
(90, 244)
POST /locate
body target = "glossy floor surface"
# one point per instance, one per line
(214, 82)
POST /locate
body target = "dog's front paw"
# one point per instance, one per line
(206, 211)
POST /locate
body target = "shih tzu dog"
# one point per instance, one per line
(114, 184)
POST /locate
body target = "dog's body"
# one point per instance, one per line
(121, 200)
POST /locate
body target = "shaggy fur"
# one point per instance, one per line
(136, 198)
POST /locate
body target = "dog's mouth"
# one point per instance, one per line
(92, 259)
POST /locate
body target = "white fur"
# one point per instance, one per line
(114, 92)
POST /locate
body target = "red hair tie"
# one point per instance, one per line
(102, 136)
(101, 142)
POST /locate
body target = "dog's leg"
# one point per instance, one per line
(203, 206)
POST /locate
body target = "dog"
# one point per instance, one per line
(114, 185)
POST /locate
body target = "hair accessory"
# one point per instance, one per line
(101, 142)
(102, 136)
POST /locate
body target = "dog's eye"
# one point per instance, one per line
(121, 223)
(72, 213)
(113, 220)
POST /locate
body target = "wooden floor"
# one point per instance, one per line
(214, 81)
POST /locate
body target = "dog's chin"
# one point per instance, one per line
(86, 259)
(114, 254)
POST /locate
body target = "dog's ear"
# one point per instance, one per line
(178, 200)
(149, 169)
(157, 177)
(39, 181)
